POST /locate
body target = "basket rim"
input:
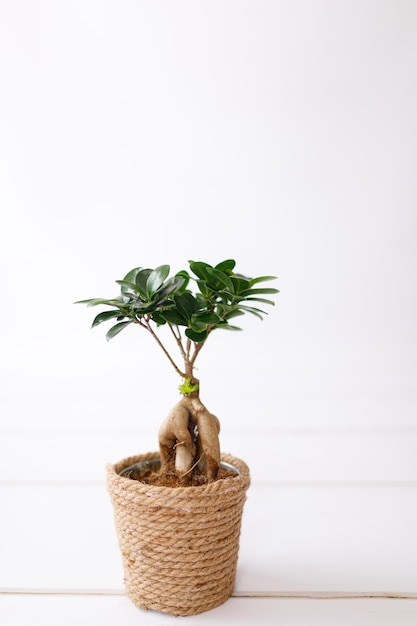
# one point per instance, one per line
(234, 483)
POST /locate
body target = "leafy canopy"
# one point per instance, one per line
(219, 295)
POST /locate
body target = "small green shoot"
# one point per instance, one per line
(186, 387)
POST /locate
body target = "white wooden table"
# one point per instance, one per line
(329, 529)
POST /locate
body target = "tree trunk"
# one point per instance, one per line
(189, 440)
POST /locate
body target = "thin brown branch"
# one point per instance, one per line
(178, 340)
(161, 345)
(188, 348)
(197, 349)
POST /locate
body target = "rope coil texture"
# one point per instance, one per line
(179, 545)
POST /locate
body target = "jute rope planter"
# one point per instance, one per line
(179, 545)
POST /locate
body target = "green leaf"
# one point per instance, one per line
(263, 290)
(199, 327)
(185, 275)
(141, 280)
(162, 304)
(227, 326)
(141, 306)
(130, 278)
(186, 304)
(197, 337)
(261, 300)
(204, 317)
(156, 278)
(127, 286)
(174, 317)
(125, 299)
(261, 279)
(103, 317)
(240, 284)
(204, 289)
(200, 269)
(176, 283)
(158, 318)
(235, 312)
(253, 310)
(271, 302)
(131, 275)
(94, 301)
(220, 280)
(225, 266)
(115, 330)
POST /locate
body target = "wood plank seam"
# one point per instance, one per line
(314, 595)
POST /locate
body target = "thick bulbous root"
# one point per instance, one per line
(189, 437)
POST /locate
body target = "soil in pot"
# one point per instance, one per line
(149, 473)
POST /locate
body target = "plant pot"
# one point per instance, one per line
(179, 545)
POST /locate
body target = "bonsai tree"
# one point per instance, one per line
(151, 299)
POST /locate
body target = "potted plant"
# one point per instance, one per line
(178, 511)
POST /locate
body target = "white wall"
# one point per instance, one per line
(281, 134)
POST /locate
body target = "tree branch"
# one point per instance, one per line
(188, 350)
(161, 345)
(197, 348)
(178, 340)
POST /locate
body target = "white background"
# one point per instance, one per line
(281, 134)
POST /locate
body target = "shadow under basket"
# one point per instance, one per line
(179, 544)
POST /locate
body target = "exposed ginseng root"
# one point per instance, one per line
(189, 437)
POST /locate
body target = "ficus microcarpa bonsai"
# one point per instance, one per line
(150, 299)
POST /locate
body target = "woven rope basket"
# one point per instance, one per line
(179, 545)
